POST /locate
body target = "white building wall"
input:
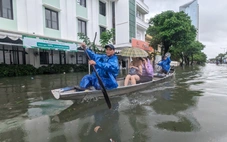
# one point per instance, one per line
(142, 25)
(109, 17)
(68, 19)
(31, 58)
(22, 16)
(122, 21)
(141, 34)
(30, 16)
(93, 22)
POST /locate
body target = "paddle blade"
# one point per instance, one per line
(106, 98)
(103, 89)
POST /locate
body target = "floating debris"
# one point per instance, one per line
(97, 128)
(111, 140)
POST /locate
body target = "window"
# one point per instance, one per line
(102, 8)
(82, 28)
(44, 57)
(102, 29)
(82, 2)
(51, 19)
(80, 59)
(6, 9)
(139, 15)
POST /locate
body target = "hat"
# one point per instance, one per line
(110, 46)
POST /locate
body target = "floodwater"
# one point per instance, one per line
(189, 108)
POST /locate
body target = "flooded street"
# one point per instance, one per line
(189, 108)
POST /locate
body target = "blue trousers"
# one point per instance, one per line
(88, 81)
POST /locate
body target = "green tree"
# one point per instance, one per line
(185, 53)
(193, 48)
(200, 58)
(84, 38)
(107, 37)
(220, 57)
(171, 29)
(87, 41)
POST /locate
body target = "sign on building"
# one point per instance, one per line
(142, 45)
(36, 42)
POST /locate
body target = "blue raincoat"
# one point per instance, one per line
(107, 68)
(165, 64)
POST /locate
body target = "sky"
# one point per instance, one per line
(212, 21)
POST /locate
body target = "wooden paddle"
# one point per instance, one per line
(99, 79)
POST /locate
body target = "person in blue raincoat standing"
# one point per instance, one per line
(106, 66)
(165, 64)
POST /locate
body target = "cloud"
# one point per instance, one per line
(212, 21)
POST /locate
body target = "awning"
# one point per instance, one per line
(10, 39)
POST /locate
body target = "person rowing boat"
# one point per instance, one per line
(165, 63)
(106, 66)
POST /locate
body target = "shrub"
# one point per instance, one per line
(16, 70)
(21, 70)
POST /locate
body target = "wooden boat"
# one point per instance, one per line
(121, 90)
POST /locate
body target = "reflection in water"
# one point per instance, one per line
(178, 99)
(159, 113)
(182, 125)
(83, 118)
(138, 123)
(37, 129)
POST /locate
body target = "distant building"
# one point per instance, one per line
(192, 9)
(130, 21)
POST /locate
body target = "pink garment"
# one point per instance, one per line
(149, 70)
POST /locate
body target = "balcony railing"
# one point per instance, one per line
(142, 24)
(142, 6)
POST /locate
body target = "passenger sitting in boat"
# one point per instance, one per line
(165, 64)
(147, 71)
(106, 66)
(135, 69)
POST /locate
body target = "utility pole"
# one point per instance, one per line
(224, 50)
